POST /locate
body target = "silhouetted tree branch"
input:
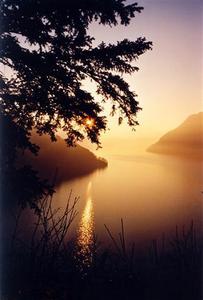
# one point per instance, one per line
(47, 53)
(45, 89)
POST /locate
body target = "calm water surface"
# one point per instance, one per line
(152, 193)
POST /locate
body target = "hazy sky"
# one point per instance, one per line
(169, 81)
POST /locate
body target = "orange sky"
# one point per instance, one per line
(168, 83)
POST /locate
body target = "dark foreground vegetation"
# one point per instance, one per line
(45, 266)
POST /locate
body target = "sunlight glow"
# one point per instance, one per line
(86, 231)
(89, 122)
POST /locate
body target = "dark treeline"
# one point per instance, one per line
(59, 161)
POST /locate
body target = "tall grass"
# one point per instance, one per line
(46, 265)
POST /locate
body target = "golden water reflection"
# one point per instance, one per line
(85, 239)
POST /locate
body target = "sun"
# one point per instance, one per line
(89, 122)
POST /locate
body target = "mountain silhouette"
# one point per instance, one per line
(186, 140)
(56, 158)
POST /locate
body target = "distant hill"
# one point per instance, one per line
(70, 162)
(185, 140)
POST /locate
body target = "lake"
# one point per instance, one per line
(152, 193)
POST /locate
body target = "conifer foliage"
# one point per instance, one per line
(47, 53)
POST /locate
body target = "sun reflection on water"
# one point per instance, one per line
(86, 231)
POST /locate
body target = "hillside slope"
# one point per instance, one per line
(185, 140)
(70, 162)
